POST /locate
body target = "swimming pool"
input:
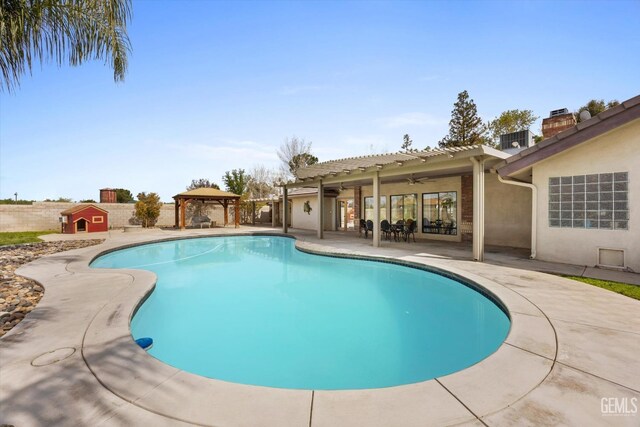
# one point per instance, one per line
(255, 310)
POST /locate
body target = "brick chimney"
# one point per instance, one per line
(558, 121)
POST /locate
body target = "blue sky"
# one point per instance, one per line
(214, 86)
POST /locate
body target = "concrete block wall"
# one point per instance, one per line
(45, 215)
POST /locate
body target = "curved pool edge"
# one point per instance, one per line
(152, 385)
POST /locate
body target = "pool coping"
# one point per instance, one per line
(108, 334)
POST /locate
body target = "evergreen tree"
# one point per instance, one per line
(124, 196)
(202, 183)
(406, 142)
(465, 126)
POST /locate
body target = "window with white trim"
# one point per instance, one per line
(596, 201)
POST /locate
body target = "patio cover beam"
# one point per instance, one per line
(320, 210)
(376, 210)
(349, 170)
(478, 208)
(285, 209)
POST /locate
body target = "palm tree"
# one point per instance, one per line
(64, 31)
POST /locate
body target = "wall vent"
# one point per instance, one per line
(610, 258)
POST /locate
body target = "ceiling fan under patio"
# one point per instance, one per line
(412, 181)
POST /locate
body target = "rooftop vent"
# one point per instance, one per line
(559, 112)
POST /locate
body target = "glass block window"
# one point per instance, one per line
(597, 201)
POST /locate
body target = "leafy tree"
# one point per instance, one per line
(510, 121)
(15, 202)
(64, 31)
(147, 208)
(87, 201)
(236, 181)
(60, 200)
(197, 208)
(202, 183)
(301, 161)
(595, 107)
(406, 142)
(295, 153)
(124, 196)
(465, 126)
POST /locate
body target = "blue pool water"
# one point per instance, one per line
(254, 310)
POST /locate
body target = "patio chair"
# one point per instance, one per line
(410, 230)
(450, 227)
(385, 227)
(363, 226)
(369, 228)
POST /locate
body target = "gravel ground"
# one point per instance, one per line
(18, 295)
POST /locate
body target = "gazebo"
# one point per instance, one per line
(206, 195)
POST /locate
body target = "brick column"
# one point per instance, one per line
(466, 204)
(357, 199)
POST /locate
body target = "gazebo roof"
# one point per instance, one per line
(207, 193)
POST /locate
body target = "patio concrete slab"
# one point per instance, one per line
(212, 402)
(426, 403)
(534, 334)
(499, 380)
(64, 393)
(132, 415)
(607, 353)
(570, 398)
(116, 383)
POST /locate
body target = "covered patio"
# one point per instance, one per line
(206, 195)
(401, 171)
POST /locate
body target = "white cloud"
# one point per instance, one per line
(412, 119)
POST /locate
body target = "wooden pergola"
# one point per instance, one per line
(206, 195)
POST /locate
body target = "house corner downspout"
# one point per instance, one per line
(534, 209)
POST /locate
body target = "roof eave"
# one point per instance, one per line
(603, 123)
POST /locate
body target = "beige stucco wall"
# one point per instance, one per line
(301, 219)
(45, 215)
(616, 151)
(507, 209)
(507, 214)
(437, 185)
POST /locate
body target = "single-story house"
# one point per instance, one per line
(84, 218)
(586, 190)
(568, 198)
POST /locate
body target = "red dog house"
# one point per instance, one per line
(84, 218)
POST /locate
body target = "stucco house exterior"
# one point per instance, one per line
(587, 190)
(451, 194)
(571, 198)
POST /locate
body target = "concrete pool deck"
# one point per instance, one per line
(72, 360)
